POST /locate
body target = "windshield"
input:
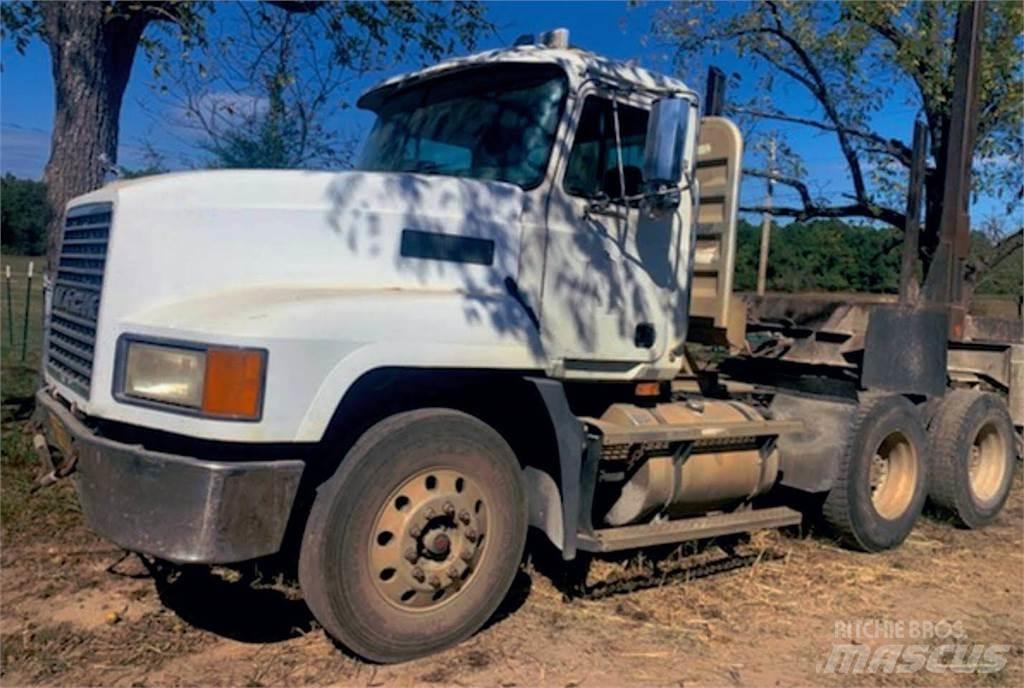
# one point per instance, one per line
(487, 123)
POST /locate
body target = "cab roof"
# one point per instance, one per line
(579, 65)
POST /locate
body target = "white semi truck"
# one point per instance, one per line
(480, 329)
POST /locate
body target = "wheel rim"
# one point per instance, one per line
(428, 539)
(986, 465)
(893, 476)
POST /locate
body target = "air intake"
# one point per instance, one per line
(71, 336)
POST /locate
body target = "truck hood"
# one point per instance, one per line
(189, 235)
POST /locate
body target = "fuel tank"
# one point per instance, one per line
(690, 477)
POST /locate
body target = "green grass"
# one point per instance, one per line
(22, 513)
(18, 376)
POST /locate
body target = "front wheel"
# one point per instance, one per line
(881, 481)
(413, 543)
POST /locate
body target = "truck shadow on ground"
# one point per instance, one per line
(262, 604)
(240, 604)
(251, 605)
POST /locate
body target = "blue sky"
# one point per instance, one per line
(611, 28)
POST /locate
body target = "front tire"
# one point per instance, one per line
(881, 481)
(972, 453)
(413, 543)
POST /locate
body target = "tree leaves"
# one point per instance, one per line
(856, 58)
(832, 255)
(20, 21)
(298, 65)
(23, 215)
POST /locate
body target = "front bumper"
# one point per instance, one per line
(178, 508)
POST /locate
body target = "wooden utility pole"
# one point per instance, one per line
(766, 221)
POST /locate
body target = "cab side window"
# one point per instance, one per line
(593, 166)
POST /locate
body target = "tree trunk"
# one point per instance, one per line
(91, 51)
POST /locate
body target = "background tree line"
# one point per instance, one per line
(835, 255)
(24, 214)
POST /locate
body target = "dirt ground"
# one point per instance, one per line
(78, 611)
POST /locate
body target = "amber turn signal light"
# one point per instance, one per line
(234, 383)
(648, 389)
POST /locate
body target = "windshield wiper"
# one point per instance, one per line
(427, 166)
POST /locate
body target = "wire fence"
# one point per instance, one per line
(26, 290)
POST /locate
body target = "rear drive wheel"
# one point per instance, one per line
(972, 454)
(881, 482)
(413, 543)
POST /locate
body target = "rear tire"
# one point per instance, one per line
(972, 455)
(414, 542)
(881, 480)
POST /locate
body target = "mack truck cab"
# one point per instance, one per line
(401, 368)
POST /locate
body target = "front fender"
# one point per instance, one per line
(320, 341)
(409, 355)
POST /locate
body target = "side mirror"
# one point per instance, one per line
(665, 150)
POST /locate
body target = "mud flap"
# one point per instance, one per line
(572, 443)
(808, 459)
(905, 350)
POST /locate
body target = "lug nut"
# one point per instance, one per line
(428, 513)
(435, 582)
(471, 535)
(464, 517)
(415, 531)
(417, 574)
(453, 573)
(466, 555)
(410, 554)
(449, 509)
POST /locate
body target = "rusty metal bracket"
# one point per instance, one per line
(58, 471)
(943, 285)
(909, 287)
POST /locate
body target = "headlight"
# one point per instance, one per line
(214, 381)
(162, 373)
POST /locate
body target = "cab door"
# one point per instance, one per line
(612, 272)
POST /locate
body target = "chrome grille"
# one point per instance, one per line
(71, 336)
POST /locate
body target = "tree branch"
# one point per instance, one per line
(921, 70)
(800, 186)
(297, 6)
(820, 91)
(1000, 252)
(893, 147)
(853, 210)
(784, 68)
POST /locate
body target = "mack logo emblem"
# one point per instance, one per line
(84, 304)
